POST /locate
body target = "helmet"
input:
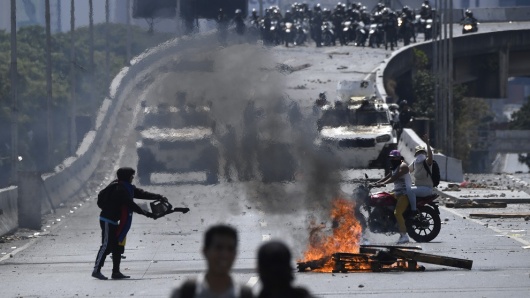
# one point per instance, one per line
(406, 8)
(394, 153)
(469, 13)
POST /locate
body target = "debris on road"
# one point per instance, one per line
(500, 215)
(474, 204)
(284, 68)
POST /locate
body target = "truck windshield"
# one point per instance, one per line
(369, 118)
(344, 117)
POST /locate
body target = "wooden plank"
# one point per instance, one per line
(477, 205)
(390, 246)
(500, 215)
(432, 259)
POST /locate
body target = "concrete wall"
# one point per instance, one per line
(8, 205)
(512, 141)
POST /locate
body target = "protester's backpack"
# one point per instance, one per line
(104, 196)
(435, 175)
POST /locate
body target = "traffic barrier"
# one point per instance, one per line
(9, 210)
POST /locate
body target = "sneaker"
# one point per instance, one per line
(119, 275)
(403, 239)
(98, 275)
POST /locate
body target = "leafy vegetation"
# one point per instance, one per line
(90, 85)
(423, 86)
(469, 114)
(521, 120)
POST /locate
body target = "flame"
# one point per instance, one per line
(345, 237)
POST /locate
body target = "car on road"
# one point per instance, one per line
(176, 144)
(359, 132)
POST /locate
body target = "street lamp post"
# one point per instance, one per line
(73, 106)
(14, 94)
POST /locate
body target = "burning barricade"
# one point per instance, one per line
(341, 251)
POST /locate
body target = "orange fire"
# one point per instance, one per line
(345, 237)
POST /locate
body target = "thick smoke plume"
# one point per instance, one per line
(255, 121)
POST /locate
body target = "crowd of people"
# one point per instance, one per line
(343, 24)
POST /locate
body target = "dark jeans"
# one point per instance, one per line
(109, 244)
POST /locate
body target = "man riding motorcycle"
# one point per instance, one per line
(400, 176)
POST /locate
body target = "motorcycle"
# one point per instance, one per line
(375, 35)
(428, 29)
(275, 32)
(348, 32)
(469, 26)
(375, 211)
(328, 36)
(361, 34)
(301, 35)
(289, 33)
(405, 30)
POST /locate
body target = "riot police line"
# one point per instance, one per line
(345, 24)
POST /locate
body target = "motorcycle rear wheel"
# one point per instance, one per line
(427, 227)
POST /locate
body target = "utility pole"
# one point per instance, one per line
(450, 119)
(59, 18)
(14, 94)
(436, 70)
(91, 54)
(49, 95)
(128, 21)
(73, 105)
(107, 52)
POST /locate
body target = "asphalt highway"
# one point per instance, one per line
(57, 261)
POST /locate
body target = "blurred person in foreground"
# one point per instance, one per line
(276, 273)
(220, 249)
(117, 207)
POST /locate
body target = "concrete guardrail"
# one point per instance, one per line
(70, 176)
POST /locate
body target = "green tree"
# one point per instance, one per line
(521, 120)
(469, 114)
(32, 84)
(423, 86)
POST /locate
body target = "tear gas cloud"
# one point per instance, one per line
(259, 128)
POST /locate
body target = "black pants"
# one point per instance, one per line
(109, 244)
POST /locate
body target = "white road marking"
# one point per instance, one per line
(502, 233)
